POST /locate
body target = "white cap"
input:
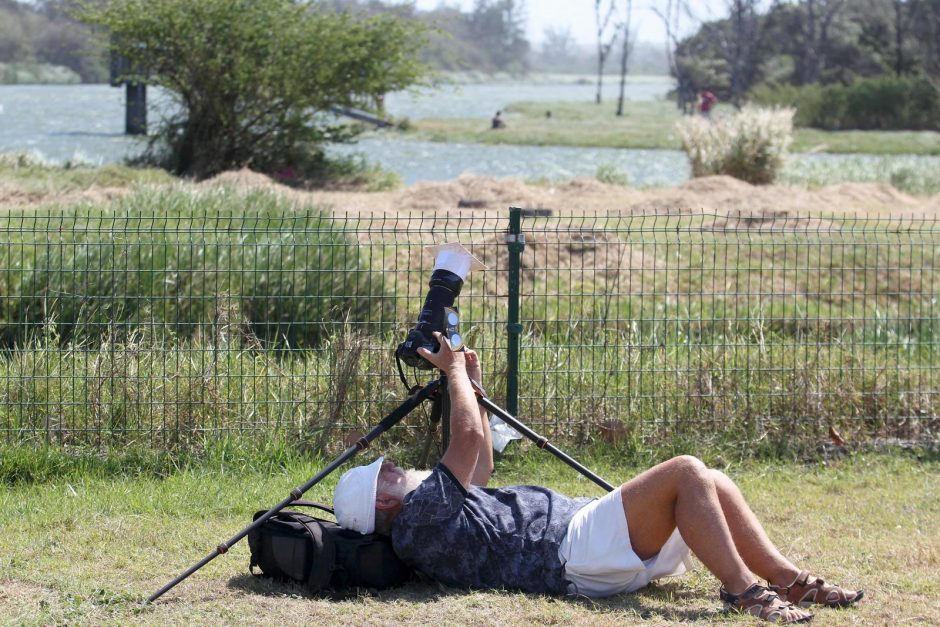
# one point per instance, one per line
(455, 258)
(354, 497)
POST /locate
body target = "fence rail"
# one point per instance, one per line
(124, 325)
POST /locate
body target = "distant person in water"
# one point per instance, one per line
(497, 121)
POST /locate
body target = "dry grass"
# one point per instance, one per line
(88, 551)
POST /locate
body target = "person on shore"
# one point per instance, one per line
(706, 102)
(448, 525)
(497, 122)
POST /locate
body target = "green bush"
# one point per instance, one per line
(177, 262)
(607, 173)
(885, 103)
(749, 145)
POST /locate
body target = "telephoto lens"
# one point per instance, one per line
(444, 288)
(451, 265)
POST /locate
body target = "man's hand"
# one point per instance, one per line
(450, 361)
(474, 370)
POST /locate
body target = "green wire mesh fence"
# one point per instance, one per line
(247, 314)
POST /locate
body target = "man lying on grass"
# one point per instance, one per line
(448, 525)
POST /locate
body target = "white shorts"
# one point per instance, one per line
(599, 559)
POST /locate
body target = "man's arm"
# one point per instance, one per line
(484, 467)
(466, 432)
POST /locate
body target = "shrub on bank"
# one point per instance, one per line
(749, 145)
(177, 262)
(884, 103)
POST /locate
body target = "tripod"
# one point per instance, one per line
(437, 390)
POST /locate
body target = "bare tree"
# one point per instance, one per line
(629, 39)
(671, 16)
(739, 46)
(925, 27)
(606, 37)
(816, 17)
(902, 25)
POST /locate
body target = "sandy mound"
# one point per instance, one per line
(931, 205)
(240, 179)
(734, 204)
(470, 192)
(770, 222)
(868, 193)
(717, 185)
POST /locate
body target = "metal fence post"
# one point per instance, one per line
(515, 241)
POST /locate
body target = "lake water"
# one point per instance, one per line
(85, 123)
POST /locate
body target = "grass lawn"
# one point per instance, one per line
(648, 124)
(88, 548)
(29, 175)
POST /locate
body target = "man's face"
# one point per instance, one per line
(391, 481)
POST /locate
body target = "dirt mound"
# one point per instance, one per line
(868, 193)
(717, 185)
(931, 205)
(770, 222)
(470, 192)
(240, 179)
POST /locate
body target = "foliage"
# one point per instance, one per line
(37, 74)
(254, 288)
(41, 43)
(610, 174)
(749, 145)
(255, 80)
(884, 103)
(807, 42)
(490, 37)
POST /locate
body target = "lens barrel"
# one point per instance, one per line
(444, 288)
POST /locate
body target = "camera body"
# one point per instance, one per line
(451, 265)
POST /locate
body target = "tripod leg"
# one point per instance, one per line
(386, 423)
(433, 420)
(539, 440)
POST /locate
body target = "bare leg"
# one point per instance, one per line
(750, 539)
(681, 493)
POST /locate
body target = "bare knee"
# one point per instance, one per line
(718, 476)
(723, 482)
(690, 466)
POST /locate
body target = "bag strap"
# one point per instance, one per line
(318, 578)
(321, 506)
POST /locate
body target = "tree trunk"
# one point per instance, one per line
(625, 57)
(898, 38)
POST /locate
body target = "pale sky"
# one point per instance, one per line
(579, 15)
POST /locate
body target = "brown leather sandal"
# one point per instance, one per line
(807, 590)
(765, 604)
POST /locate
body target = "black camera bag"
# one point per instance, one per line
(321, 555)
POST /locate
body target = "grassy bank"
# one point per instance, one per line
(32, 176)
(644, 125)
(910, 174)
(87, 549)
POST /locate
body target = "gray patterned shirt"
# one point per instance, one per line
(485, 537)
